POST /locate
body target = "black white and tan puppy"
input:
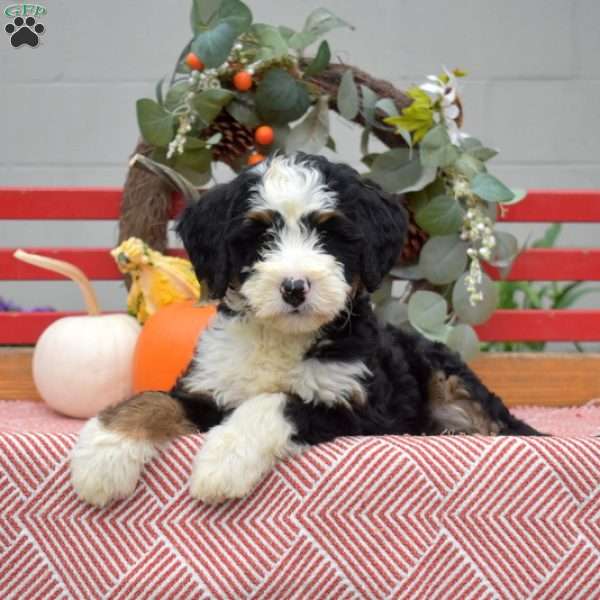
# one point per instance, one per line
(295, 356)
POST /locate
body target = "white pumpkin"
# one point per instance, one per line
(83, 364)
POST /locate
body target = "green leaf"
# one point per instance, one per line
(440, 216)
(427, 311)
(347, 98)
(331, 144)
(282, 132)
(518, 195)
(477, 150)
(550, 236)
(156, 124)
(286, 32)
(505, 250)
(202, 13)
(393, 312)
(159, 91)
(416, 118)
(481, 312)
(436, 148)
(369, 101)
(244, 113)
(196, 160)
(312, 133)
(443, 259)
(464, 340)
(388, 106)
(273, 44)
(176, 95)
(318, 23)
(364, 141)
(490, 189)
(232, 12)
(320, 61)
(209, 103)
(280, 98)
(468, 166)
(398, 170)
(407, 272)
(213, 45)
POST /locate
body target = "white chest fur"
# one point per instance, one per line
(238, 359)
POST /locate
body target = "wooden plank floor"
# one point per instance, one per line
(520, 379)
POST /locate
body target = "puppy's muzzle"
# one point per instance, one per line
(294, 291)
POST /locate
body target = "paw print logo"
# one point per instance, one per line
(24, 32)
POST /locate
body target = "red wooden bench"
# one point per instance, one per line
(556, 264)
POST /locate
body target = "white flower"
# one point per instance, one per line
(444, 95)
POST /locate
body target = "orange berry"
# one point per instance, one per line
(242, 81)
(264, 135)
(193, 62)
(255, 158)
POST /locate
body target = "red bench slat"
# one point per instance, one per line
(555, 206)
(542, 325)
(26, 328)
(553, 264)
(65, 203)
(96, 263)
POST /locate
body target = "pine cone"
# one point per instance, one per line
(237, 139)
(415, 240)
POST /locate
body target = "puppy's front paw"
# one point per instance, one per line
(106, 465)
(226, 467)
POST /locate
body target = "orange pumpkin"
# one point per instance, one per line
(166, 344)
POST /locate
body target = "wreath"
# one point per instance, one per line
(242, 90)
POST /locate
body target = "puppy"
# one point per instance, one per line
(295, 356)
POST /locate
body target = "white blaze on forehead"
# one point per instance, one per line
(292, 189)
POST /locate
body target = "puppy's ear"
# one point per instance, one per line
(203, 228)
(380, 217)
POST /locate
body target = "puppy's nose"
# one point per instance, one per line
(293, 291)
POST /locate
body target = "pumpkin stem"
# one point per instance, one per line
(68, 270)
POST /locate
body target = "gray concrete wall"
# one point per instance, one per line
(68, 113)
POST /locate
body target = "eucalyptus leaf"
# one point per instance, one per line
(156, 124)
(436, 148)
(388, 106)
(244, 113)
(280, 98)
(331, 144)
(518, 195)
(441, 216)
(407, 272)
(481, 311)
(272, 44)
(369, 101)
(209, 103)
(282, 132)
(398, 170)
(505, 250)
(443, 259)
(159, 91)
(320, 62)
(477, 150)
(198, 160)
(202, 13)
(490, 189)
(463, 339)
(347, 98)
(468, 165)
(364, 141)
(235, 13)
(176, 95)
(312, 133)
(427, 311)
(393, 312)
(214, 45)
(318, 23)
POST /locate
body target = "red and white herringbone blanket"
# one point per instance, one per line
(389, 517)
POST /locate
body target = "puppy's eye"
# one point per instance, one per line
(334, 224)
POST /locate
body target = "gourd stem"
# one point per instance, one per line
(68, 270)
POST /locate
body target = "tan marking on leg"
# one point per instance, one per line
(152, 416)
(453, 409)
